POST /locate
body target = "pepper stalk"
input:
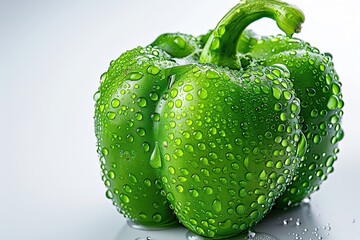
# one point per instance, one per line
(221, 47)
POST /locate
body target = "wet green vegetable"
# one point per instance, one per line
(213, 131)
(317, 85)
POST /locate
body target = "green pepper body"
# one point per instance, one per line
(317, 85)
(209, 131)
(125, 112)
(227, 155)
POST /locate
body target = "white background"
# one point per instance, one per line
(51, 56)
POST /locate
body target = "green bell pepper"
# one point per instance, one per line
(210, 130)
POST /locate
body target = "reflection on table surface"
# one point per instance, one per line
(333, 213)
(303, 222)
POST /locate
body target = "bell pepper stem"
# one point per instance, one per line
(221, 47)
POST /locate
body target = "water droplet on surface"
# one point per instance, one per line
(212, 74)
(202, 93)
(155, 117)
(238, 141)
(115, 103)
(127, 188)
(141, 132)
(306, 200)
(147, 182)
(132, 178)
(124, 198)
(180, 42)
(332, 102)
(198, 135)
(178, 103)
(208, 190)
(154, 96)
(335, 88)
(251, 234)
(317, 138)
(111, 174)
(216, 205)
(287, 95)
(157, 217)
(311, 92)
(109, 194)
(103, 76)
(189, 148)
(188, 88)
(240, 209)
(154, 70)
(104, 151)
(135, 76)
(314, 113)
(142, 102)
(189, 97)
(155, 159)
(302, 145)
(173, 93)
(171, 170)
(276, 92)
(254, 214)
(97, 96)
(221, 30)
(215, 43)
(138, 116)
(111, 115)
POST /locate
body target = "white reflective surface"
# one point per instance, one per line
(51, 56)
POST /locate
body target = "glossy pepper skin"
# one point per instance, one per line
(125, 112)
(317, 85)
(198, 128)
(216, 161)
